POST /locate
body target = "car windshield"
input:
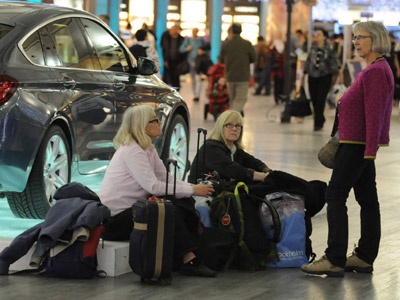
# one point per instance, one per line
(4, 29)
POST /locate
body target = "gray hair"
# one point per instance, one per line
(379, 33)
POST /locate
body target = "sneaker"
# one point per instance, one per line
(199, 270)
(356, 264)
(323, 267)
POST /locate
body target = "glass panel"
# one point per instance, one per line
(33, 49)
(72, 48)
(109, 51)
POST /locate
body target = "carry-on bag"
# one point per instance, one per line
(152, 239)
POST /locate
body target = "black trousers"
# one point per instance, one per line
(186, 227)
(173, 75)
(351, 170)
(319, 89)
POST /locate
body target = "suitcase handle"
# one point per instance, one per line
(199, 131)
(175, 163)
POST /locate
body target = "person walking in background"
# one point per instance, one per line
(362, 124)
(301, 41)
(277, 50)
(144, 48)
(237, 54)
(262, 67)
(322, 67)
(171, 41)
(151, 37)
(397, 77)
(194, 46)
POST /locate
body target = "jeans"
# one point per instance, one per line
(196, 80)
(351, 170)
(265, 80)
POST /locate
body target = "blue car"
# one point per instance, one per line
(65, 81)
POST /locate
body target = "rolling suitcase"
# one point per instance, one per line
(152, 238)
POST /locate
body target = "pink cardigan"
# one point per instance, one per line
(365, 109)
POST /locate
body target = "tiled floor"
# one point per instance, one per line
(289, 147)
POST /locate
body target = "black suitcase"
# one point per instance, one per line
(152, 239)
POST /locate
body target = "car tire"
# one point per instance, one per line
(177, 146)
(51, 169)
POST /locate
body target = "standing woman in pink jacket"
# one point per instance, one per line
(362, 124)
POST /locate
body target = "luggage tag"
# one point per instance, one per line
(226, 218)
(155, 199)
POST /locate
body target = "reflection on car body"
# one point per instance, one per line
(65, 82)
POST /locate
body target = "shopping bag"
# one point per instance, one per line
(292, 245)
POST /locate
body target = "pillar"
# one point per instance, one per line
(216, 25)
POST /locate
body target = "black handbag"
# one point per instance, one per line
(300, 107)
(183, 67)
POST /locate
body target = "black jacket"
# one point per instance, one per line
(218, 158)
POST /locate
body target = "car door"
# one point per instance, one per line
(129, 88)
(87, 91)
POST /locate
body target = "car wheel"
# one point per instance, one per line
(177, 146)
(51, 170)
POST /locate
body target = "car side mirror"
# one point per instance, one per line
(146, 66)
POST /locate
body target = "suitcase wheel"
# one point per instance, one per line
(156, 281)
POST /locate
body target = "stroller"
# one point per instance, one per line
(217, 91)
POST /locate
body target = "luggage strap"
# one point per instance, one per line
(160, 240)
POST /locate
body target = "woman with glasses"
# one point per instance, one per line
(136, 172)
(362, 124)
(225, 154)
(322, 68)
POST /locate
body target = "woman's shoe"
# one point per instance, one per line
(197, 269)
(356, 264)
(323, 267)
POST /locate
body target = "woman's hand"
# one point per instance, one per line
(203, 190)
(260, 176)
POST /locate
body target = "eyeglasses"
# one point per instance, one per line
(156, 120)
(231, 126)
(360, 37)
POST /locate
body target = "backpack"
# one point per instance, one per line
(138, 51)
(238, 213)
(78, 260)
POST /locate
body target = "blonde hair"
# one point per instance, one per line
(224, 118)
(379, 33)
(133, 127)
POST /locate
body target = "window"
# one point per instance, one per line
(33, 49)
(109, 51)
(71, 47)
